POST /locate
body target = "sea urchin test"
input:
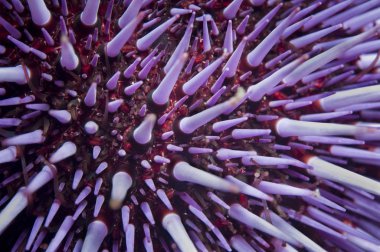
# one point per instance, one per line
(204, 125)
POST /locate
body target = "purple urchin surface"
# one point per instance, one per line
(145, 125)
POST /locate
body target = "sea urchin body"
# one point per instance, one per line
(143, 125)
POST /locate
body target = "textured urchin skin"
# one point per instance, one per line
(267, 126)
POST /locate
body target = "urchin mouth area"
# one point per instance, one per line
(189, 125)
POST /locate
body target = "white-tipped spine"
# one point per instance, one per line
(240, 244)
(63, 116)
(44, 176)
(8, 155)
(190, 124)
(33, 233)
(69, 60)
(34, 137)
(90, 98)
(15, 74)
(248, 189)
(172, 223)
(162, 93)
(95, 235)
(285, 227)
(251, 220)
(132, 10)
(14, 207)
(66, 150)
(185, 172)
(89, 16)
(143, 133)
(121, 182)
(39, 12)
(349, 97)
(326, 170)
(114, 47)
(60, 234)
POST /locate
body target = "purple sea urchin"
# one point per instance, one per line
(189, 126)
